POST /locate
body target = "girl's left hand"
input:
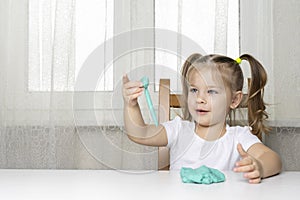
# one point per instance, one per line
(249, 166)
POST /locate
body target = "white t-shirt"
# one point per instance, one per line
(187, 149)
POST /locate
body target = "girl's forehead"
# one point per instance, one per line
(206, 75)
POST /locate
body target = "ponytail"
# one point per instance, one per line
(256, 106)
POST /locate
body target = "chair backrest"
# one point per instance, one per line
(166, 102)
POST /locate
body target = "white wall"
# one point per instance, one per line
(287, 62)
(270, 32)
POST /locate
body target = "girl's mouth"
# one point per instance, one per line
(201, 111)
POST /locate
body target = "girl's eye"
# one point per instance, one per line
(212, 92)
(193, 90)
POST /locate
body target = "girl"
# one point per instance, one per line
(212, 87)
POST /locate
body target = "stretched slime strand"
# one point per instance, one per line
(145, 82)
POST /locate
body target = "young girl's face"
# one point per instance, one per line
(208, 98)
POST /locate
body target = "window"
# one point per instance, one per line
(196, 20)
(94, 26)
(61, 37)
(94, 22)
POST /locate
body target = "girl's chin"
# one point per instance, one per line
(206, 123)
(202, 123)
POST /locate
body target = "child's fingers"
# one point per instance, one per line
(245, 168)
(131, 94)
(133, 85)
(241, 151)
(127, 84)
(125, 79)
(135, 95)
(130, 84)
(245, 161)
(248, 166)
(255, 181)
(252, 175)
(132, 90)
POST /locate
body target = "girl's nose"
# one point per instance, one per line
(201, 99)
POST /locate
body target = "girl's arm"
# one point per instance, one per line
(269, 160)
(258, 162)
(135, 126)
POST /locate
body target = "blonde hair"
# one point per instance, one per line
(232, 76)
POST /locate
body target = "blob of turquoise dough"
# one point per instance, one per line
(201, 175)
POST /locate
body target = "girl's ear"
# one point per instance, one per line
(236, 99)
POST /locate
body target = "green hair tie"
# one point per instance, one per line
(238, 60)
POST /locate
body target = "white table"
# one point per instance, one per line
(106, 184)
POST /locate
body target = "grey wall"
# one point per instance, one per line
(69, 148)
(286, 142)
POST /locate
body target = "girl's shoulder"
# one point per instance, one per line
(238, 130)
(178, 130)
(179, 120)
(241, 133)
(178, 125)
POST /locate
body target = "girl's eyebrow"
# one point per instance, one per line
(209, 86)
(214, 86)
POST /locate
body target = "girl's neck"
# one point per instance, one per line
(210, 133)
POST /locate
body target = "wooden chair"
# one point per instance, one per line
(167, 101)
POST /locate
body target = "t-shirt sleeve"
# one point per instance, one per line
(172, 128)
(246, 138)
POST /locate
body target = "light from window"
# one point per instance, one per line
(51, 70)
(196, 20)
(94, 25)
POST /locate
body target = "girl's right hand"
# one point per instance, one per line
(131, 91)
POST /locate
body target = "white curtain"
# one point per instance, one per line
(37, 125)
(196, 26)
(36, 122)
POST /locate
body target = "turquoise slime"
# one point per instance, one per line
(145, 82)
(201, 175)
